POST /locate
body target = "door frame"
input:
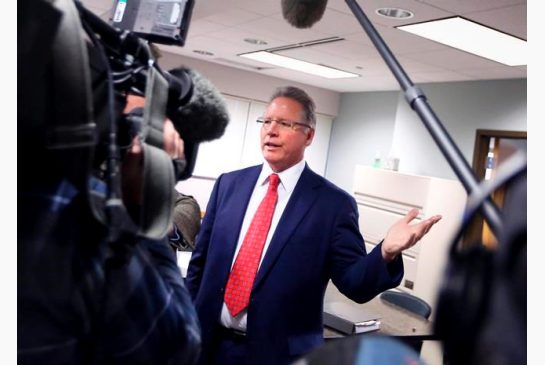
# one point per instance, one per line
(477, 227)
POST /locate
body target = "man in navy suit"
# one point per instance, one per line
(313, 237)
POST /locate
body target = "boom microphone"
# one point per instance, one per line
(204, 116)
(303, 13)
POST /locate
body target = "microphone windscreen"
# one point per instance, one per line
(205, 116)
(303, 13)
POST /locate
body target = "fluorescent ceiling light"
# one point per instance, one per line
(298, 65)
(473, 38)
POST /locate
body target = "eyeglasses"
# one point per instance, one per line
(282, 123)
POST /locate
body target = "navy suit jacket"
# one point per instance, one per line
(317, 239)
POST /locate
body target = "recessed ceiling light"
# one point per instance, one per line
(394, 13)
(298, 65)
(203, 53)
(474, 38)
(256, 41)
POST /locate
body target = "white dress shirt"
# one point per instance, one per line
(288, 180)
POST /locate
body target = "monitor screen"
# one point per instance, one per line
(158, 21)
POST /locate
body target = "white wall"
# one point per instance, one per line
(365, 124)
(462, 107)
(382, 121)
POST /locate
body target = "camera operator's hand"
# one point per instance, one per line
(173, 144)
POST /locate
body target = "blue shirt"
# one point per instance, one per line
(81, 299)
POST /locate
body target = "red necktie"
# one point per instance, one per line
(242, 276)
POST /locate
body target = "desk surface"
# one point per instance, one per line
(394, 321)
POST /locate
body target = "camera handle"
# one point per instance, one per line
(158, 188)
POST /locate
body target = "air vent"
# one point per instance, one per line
(305, 44)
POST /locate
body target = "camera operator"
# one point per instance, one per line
(85, 295)
(68, 313)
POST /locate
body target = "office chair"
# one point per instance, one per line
(407, 301)
(412, 304)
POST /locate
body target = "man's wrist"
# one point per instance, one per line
(388, 257)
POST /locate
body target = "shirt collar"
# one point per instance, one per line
(288, 177)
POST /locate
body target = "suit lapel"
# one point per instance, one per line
(301, 200)
(240, 192)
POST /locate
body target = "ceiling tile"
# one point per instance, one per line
(237, 35)
(441, 76)
(510, 20)
(451, 59)
(462, 7)
(421, 11)
(233, 17)
(201, 27)
(499, 72)
(220, 26)
(278, 29)
(263, 7)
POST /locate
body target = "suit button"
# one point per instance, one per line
(222, 289)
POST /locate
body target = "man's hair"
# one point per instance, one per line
(302, 98)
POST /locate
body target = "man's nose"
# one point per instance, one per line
(273, 127)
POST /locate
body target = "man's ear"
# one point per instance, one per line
(310, 136)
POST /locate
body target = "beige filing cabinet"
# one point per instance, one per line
(385, 196)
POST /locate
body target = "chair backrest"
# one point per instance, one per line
(408, 301)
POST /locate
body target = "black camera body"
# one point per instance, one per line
(71, 110)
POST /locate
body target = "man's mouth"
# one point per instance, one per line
(271, 145)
